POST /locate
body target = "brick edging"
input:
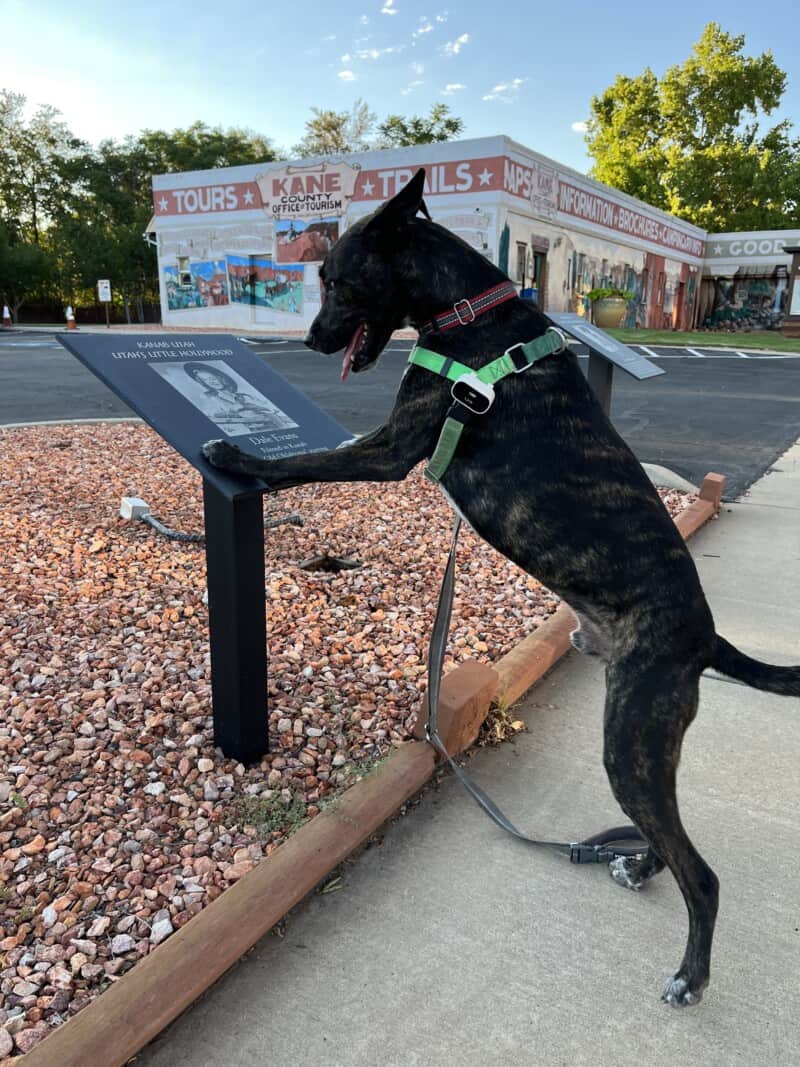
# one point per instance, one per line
(129, 1014)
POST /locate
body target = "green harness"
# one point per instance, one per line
(473, 391)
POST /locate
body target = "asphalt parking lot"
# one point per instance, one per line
(724, 410)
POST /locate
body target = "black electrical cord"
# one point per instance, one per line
(199, 539)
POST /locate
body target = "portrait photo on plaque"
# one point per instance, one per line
(224, 397)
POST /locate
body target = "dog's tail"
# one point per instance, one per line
(782, 680)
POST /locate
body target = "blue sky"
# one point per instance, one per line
(521, 69)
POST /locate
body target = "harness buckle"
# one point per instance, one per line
(469, 308)
(519, 366)
(562, 335)
(473, 394)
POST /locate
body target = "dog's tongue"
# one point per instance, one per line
(355, 341)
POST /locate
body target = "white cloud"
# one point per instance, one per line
(579, 127)
(452, 87)
(506, 91)
(452, 48)
(411, 87)
(442, 17)
(388, 8)
(364, 20)
(347, 75)
(424, 27)
(376, 53)
(418, 68)
(345, 58)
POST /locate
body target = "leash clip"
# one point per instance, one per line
(579, 853)
(473, 394)
(469, 308)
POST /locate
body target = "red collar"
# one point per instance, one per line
(465, 311)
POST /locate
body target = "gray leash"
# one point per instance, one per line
(598, 849)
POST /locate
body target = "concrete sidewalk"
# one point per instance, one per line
(452, 944)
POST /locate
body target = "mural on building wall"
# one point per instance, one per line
(746, 279)
(299, 241)
(210, 279)
(260, 282)
(198, 284)
(598, 264)
(744, 302)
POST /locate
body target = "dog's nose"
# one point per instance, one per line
(308, 340)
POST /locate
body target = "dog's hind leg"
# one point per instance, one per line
(649, 705)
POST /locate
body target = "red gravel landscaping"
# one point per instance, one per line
(118, 818)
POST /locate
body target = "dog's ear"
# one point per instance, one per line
(391, 219)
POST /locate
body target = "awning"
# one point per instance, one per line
(730, 269)
(765, 270)
(151, 226)
(720, 269)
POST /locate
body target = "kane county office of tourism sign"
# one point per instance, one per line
(192, 388)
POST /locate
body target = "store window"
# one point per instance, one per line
(184, 274)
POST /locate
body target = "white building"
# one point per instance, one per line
(239, 247)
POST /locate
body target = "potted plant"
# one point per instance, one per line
(608, 306)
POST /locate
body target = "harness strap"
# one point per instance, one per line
(513, 361)
(450, 435)
(473, 391)
(601, 847)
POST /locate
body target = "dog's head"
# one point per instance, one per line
(365, 292)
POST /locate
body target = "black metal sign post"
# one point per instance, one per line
(237, 622)
(605, 353)
(600, 375)
(191, 388)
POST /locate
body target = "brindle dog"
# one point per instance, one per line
(544, 478)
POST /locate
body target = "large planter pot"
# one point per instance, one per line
(609, 312)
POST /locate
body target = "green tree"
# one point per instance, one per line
(102, 236)
(331, 132)
(200, 147)
(25, 269)
(691, 143)
(34, 184)
(398, 132)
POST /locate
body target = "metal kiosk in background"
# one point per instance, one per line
(191, 388)
(605, 353)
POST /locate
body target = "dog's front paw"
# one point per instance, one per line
(679, 993)
(224, 455)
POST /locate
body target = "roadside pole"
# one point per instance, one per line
(104, 295)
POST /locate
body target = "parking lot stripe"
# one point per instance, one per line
(649, 351)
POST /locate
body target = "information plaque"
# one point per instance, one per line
(192, 388)
(597, 340)
(605, 353)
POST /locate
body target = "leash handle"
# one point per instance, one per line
(601, 847)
